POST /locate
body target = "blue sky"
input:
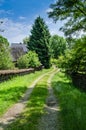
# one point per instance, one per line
(19, 15)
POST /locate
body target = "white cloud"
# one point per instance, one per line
(6, 11)
(22, 18)
(48, 10)
(15, 31)
(54, 27)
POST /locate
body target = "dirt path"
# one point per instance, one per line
(50, 119)
(16, 109)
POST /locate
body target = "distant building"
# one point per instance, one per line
(17, 50)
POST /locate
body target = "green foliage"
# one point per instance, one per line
(54, 61)
(3, 41)
(57, 46)
(26, 40)
(72, 115)
(39, 41)
(5, 58)
(73, 11)
(28, 60)
(74, 60)
(33, 59)
(22, 62)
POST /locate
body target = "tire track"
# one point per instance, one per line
(49, 120)
(18, 108)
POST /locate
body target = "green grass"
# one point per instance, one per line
(11, 91)
(34, 109)
(72, 103)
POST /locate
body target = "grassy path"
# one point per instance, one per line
(49, 121)
(28, 120)
(17, 108)
(11, 91)
(42, 110)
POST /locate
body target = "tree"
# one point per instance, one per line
(73, 11)
(26, 40)
(74, 60)
(39, 41)
(28, 60)
(4, 41)
(57, 46)
(5, 58)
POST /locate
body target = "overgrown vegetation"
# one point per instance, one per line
(34, 109)
(5, 58)
(28, 60)
(74, 60)
(57, 46)
(72, 103)
(12, 90)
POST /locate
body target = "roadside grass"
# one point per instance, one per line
(11, 91)
(72, 103)
(28, 120)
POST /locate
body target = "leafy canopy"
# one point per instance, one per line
(74, 60)
(73, 11)
(57, 46)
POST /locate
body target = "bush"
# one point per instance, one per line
(74, 60)
(28, 60)
(5, 57)
(53, 61)
(33, 60)
(22, 62)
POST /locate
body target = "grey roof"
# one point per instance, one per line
(17, 50)
(19, 45)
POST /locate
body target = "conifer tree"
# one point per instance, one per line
(39, 41)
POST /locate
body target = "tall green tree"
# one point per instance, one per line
(57, 46)
(73, 11)
(5, 58)
(39, 41)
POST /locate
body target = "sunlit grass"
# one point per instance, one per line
(34, 109)
(72, 102)
(11, 91)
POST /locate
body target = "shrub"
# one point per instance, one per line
(53, 61)
(5, 57)
(22, 62)
(74, 60)
(33, 60)
(28, 60)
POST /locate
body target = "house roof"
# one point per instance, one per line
(19, 45)
(17, 50)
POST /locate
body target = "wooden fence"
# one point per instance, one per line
(79, 80)
(8, 74)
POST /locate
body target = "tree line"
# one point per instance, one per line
(41, 48)
(69, 52)
(74, 12)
